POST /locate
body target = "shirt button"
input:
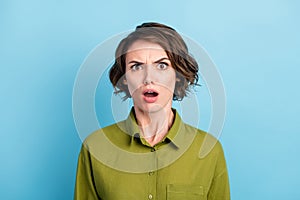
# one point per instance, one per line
(150, 196)
(151, 173)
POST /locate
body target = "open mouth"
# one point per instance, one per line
(150, 93)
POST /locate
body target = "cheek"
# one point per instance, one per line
(168, 82)
(133, 83)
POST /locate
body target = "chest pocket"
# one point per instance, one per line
(185, 192)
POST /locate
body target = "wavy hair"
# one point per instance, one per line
(184, 64)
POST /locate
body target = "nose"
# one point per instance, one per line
(148, 75)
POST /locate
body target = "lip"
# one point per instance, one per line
(148, 99)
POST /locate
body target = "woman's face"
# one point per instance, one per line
(149, 76)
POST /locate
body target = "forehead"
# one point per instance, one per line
(142, 47)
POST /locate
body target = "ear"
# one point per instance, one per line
(124, 81)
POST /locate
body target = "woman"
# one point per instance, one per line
(153, 67)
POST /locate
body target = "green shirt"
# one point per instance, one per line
(116, 164)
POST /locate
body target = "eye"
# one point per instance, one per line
(162, 66)
(136, 67)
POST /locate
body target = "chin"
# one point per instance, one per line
(153, 107)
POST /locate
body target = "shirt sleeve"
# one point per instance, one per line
(85, 188)
(220, 185)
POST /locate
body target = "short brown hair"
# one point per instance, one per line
(184, 64)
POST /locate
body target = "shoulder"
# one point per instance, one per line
(206, 143)
(113, 133)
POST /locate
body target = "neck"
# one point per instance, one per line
(154, 126)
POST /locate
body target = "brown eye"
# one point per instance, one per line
(136, 67)
(162, 66)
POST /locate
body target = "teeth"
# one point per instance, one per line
(149, 92)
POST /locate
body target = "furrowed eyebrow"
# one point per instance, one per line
(134, 61)
(159, 60)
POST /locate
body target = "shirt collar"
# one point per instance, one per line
(173, 135)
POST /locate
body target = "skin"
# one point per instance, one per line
(149, 70)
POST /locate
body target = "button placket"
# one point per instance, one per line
(152, 179)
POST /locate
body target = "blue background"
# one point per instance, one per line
(255, 45)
